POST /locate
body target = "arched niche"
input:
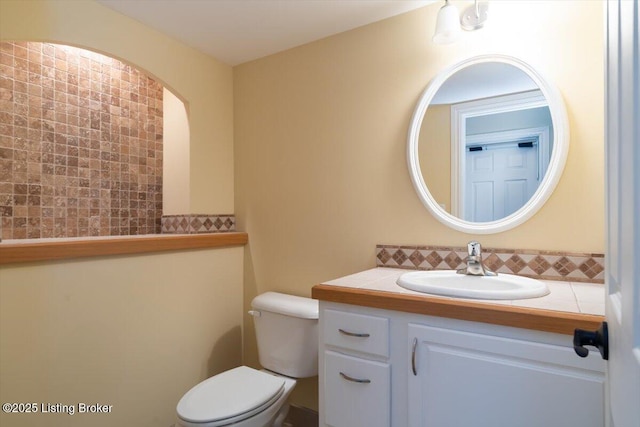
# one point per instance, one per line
(83, 146)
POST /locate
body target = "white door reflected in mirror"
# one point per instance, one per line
(501, 172)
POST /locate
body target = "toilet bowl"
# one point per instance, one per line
(287, 335)
(242, 397)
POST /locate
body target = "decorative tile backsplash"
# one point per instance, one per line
(80, 144)
(545, 265)
(196, 224)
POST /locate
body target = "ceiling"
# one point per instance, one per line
(237, 31)
(483, 80)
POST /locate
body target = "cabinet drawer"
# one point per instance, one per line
(357, 391)
(357, 332)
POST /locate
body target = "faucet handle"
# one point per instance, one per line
(475, 266)
(474, 248)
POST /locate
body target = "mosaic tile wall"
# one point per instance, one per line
(80, 144)
(544, 265)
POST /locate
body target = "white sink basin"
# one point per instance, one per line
(449, 283)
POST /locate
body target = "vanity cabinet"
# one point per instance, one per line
(424, 371)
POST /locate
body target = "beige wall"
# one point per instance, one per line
(175, 178)
(434, 153)
(133, 332)
(320, 136)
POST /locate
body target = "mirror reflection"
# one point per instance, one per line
(485, 142)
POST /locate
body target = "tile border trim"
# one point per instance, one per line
(198, 224)
(542, 265)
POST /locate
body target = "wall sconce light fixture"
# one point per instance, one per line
(449, 24)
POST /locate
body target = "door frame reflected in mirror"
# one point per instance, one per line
(459, 139)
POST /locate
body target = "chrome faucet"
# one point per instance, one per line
(475, 267)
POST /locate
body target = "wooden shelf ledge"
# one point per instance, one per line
(16, 251)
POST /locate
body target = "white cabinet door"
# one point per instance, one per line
(468, 379)
(357, 392)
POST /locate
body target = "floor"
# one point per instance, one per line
(301, 417)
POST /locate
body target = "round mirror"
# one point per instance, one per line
(487, 144)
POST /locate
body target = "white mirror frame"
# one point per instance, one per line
(556, 163)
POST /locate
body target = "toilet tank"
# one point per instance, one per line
(287, 333)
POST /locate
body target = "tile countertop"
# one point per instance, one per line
(569, 305)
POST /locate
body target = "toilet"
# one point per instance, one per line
(287, 335)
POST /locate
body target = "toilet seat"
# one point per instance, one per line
(230, 397)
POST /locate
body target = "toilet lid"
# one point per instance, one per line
(230, 396)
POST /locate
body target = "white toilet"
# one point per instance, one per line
(287, 334)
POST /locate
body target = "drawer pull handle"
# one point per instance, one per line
(353, 334)
(413, 357)
(354, 380)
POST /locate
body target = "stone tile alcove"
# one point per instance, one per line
(81, 143)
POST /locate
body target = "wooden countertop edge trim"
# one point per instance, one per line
(11, 253)
(520, 317)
